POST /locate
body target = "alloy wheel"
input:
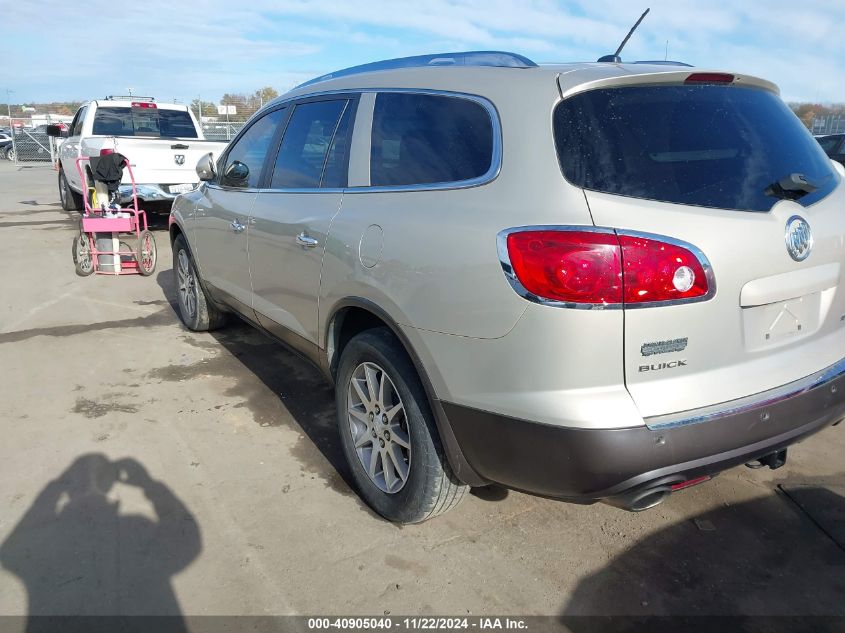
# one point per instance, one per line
(379, 427)
(187, 285)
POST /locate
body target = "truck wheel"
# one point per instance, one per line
(197, 313)
(388, 432)
(71, 201)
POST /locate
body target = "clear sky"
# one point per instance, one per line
(57, 50)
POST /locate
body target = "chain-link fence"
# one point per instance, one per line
(28, 143)
(830, 124)
(221, 131)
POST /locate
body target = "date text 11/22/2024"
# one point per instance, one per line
(417, 623)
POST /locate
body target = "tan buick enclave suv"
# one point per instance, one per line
(585, 281)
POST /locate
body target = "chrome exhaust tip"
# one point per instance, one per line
(645, 498)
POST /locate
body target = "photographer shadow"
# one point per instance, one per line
(79, 555)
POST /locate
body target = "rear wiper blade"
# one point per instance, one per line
(791, 187)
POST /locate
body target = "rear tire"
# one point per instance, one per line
(71, 201)
(195, 310)
(398, 465)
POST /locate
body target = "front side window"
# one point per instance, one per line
(421, 139)
(718, 146)
(245, 159)
(306, 144)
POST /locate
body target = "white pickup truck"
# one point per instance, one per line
(161, 140)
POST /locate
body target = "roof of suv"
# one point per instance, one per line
(483, 77)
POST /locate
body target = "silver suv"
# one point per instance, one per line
(585, 281)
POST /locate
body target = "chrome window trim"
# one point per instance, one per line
(507, 267)
(748, 403)
(522, 291)
(219, 187)
(495, 161)
(304, 190)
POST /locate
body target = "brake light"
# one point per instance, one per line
(604, 269)
(656, 270)
(571, 266)
(145, 105)
(709, 78)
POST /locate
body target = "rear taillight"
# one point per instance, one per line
(657, 270)
(570, 266)
(603, 268)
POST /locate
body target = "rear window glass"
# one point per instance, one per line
(144, 122)
(711, 146)
(423, 139)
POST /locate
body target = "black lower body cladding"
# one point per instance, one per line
(589, 464)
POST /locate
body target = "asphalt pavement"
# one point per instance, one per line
(146, 469)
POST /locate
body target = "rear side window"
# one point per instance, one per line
(421, 139)
(306, 144)
(711, 146)
(144, 122)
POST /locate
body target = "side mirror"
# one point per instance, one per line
(236, 174)
(57, 131)
(205, 168)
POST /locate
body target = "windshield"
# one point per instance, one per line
(144, 122)
(712, 146)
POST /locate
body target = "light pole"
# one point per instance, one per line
(11, 127)
(9, 107)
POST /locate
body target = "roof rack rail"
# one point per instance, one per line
(663, 62)
(129, 98)
(466, 58)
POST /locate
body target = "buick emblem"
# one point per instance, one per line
(179, 159)
(799, 238)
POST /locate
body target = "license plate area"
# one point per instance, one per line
(783, 322)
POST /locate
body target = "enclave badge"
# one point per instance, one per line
(664, 347)
(799, 238)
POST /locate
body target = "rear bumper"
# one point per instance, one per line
(590, 464)
(150, 193)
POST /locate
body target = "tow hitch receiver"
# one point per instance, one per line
(772, 460)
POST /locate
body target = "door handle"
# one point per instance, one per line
(237, 227)
(306, 240)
